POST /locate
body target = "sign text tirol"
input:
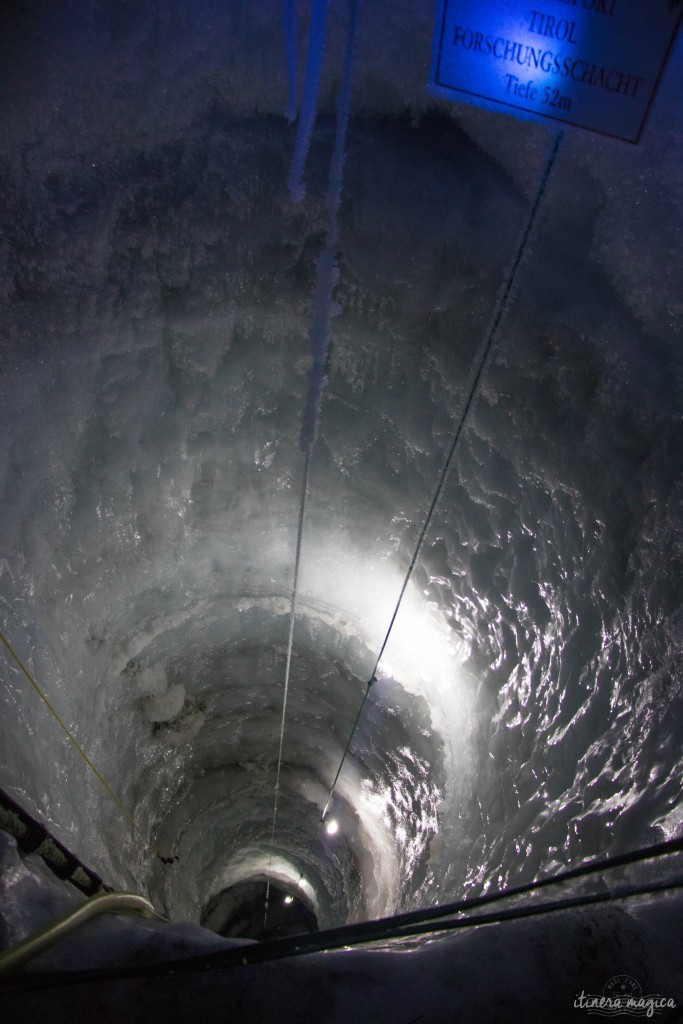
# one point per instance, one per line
(591, 63)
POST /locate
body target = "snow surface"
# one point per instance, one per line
(156, 281)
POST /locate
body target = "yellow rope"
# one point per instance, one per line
(129, 817)
(76, 744)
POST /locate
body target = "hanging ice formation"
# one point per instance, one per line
(292, 46)
(309, 106)
(323, 308)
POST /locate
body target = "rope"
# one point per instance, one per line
(75, 742)
(123, 809)
(478, 366)
(319, 339)
(321, 819)
(476, 372)
(346, 748)
(288, 665)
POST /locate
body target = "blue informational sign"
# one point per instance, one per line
(590, 63)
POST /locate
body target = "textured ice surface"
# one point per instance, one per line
(156, 286)
(530, 969)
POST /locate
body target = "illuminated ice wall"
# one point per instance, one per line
(158, 286)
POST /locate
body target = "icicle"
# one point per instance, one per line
(292, 48)
(323, 310)
(327, 271)
(309, 106)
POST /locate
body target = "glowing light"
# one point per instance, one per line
(254, 862)
(423, 647)
(332, 827)
(289, 899)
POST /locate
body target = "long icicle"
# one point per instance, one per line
(319, 339)
(327, 270)
(309, 105)
(291, 28)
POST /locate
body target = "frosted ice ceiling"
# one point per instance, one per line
(157, 285)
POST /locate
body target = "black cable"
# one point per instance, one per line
(477, 370)
(430, 918)
(478, 366)
(348, 744)
(282, 949)
(402, 926)
(336, 778)
(319, 337)
(288, 662)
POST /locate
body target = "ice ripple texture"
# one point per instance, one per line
(156, 303)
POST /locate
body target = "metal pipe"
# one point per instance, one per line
(109, 902)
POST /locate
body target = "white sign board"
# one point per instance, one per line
(591, 63)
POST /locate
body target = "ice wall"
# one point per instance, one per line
(157, 281)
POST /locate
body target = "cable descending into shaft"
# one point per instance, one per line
(321, 819)
(323, 309)
(480, 361)
(476, 371)
(288, 665)
(346, 749)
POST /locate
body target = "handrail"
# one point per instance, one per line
(109, 902)
(403, 926)
(319, 942)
